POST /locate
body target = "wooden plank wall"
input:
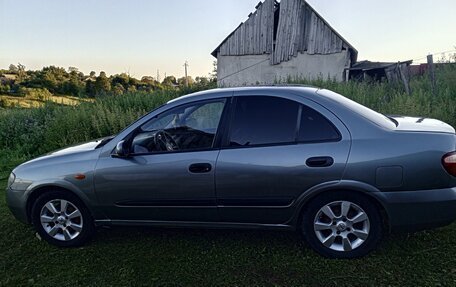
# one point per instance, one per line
(254, 36)
(300, 29)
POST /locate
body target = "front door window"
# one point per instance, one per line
(186, 128)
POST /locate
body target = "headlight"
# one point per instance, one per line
(11, 180)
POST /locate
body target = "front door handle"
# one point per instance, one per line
(200, 168)
(322, 161)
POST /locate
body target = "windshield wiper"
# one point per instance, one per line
(105, 141)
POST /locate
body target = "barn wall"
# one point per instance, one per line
(250, 70)
(299, 30)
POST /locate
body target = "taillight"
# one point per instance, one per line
(449, 163)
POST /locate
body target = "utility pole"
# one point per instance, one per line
(158, 76)
(431, 69)
(186, 73)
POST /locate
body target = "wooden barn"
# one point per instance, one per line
(279, 41)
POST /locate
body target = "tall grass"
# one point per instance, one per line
(25, 133)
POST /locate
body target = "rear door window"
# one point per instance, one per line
(314, 127)
(263, 120)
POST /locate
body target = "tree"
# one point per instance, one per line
(73, 69)
(74, 86)
(13, 69)
(122, 79)
(213, 75)
(118, 89)
(202, 81)
(21, 73)
(4, 89)
(170, 81)
(132, 89)
(183, 82)
(148, 84)
(90, 88)
(102, 85)
(52, 78)
(148, 80)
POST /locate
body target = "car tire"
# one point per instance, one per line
(342, 225)
(62, 219)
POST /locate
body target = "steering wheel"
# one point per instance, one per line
(164, 141)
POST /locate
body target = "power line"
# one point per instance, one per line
(435, 54)
(246, 68)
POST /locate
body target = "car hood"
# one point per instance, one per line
(77, 148)
(83, 147)
(415, 124)
(59, 164)
(72, 151)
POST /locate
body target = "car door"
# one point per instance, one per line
(169, 174)
(276, 149)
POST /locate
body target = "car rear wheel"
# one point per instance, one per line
(62, 219)
(342, 225)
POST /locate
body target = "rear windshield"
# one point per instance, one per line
(371, 115)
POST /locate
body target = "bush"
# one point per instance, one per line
(4, 88)
(3, 103)
(41, 94)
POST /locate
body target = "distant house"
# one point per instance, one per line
(280, 41)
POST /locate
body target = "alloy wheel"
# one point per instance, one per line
(342, 226)
(61, 219)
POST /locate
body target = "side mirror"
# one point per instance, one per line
(122, 149)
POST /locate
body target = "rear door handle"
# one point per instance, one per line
(200, 168)
(322, 161)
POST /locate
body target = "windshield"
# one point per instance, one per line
(373, 116)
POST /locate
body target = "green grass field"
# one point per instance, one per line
(186, 257)
(34, 102)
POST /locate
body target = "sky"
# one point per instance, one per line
(140, 37)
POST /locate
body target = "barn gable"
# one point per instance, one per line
(282, 30)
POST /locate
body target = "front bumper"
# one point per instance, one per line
(17, 203)
(417, 210)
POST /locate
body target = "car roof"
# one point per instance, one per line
(223, 92)
(326, 98)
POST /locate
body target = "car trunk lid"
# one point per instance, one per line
(415, 124)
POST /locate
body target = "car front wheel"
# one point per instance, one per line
(62, 219)
(342, 225)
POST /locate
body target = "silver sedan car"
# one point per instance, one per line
(287, 158)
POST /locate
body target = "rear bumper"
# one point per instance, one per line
(417, 210)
